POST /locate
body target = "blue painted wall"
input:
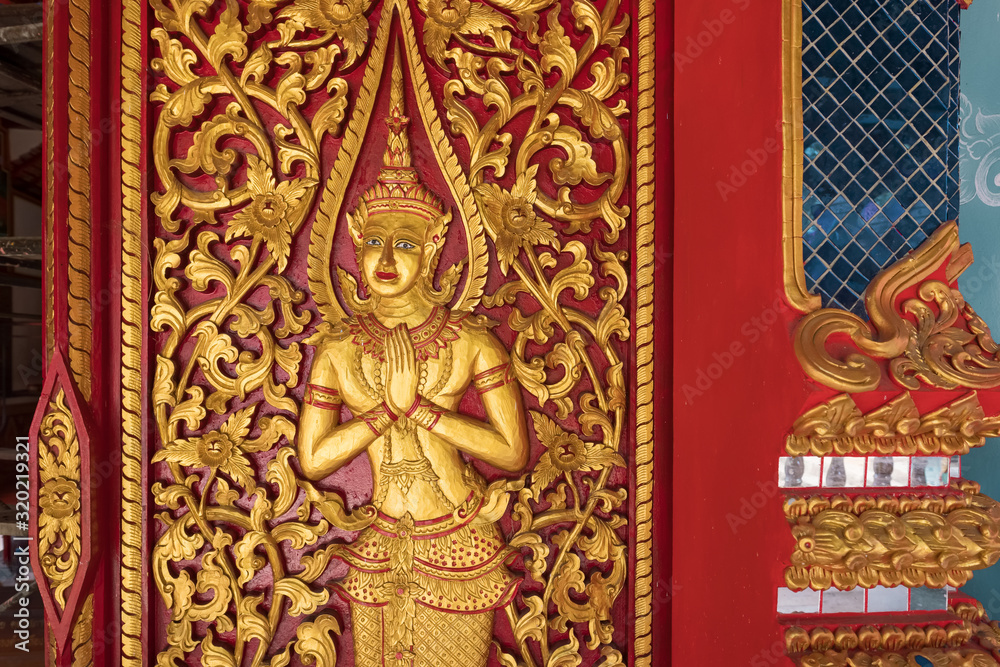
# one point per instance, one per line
(979, 223)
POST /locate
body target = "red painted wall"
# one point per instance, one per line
(737, 385)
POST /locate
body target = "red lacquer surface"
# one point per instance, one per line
(732, 343)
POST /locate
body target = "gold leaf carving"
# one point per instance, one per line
(269, 82)
(892, 540)
(838, 427)
(83, 635)
(934, 339)
(59, 498)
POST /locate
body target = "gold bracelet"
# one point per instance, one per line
(377, 420)
(425, 413)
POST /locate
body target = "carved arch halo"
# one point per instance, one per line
(332, 208)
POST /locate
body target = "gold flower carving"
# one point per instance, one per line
(511, 220)
(447, 19)
(59, 497)
(343, 19)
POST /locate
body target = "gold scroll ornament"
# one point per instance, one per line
(867, 541)
(59, 506)
(838, 427)
(216, 513)
(934, 338)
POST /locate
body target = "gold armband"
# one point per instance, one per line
(493, 378)
(425, 413)
(323, 397)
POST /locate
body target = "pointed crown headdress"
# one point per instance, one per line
(398, 188)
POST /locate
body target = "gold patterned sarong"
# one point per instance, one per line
(423, 593)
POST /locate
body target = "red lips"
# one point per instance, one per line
(382, 275)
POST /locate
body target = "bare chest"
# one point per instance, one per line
(442, 379)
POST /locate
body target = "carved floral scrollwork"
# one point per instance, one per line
(247, 92)
(577, 517)
(59, 498)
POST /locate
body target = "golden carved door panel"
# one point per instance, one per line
(397, 369)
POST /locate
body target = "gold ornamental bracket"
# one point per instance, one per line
(912, 540)
(920, 331)
(837, 426)
(61, 520)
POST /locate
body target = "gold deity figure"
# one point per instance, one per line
(426, 577)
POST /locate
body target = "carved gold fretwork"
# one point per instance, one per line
(59, 498)
(921, 540)
(230, 356)
(934, 338)
(897, 427)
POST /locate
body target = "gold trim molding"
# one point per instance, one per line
(964, 640)
(913, 540)
(869, 638)
(931, 338)
(644, 257)
(50, 179)
(897, 427)
(791, 183)
(78, 219)
(132, 540)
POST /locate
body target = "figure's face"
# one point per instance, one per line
(393, 253)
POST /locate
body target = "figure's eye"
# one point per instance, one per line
(405, 245)
(373, 242)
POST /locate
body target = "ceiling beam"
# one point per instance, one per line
(18, 280)
(12, 97)
(19, 34)
(21, 119)
(20, 14)
(14, 66)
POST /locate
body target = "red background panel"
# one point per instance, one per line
(737, 385)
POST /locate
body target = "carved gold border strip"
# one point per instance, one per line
(132, 318)
(50, 179)
(79, 216)
(791, 183)
(644, 257)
